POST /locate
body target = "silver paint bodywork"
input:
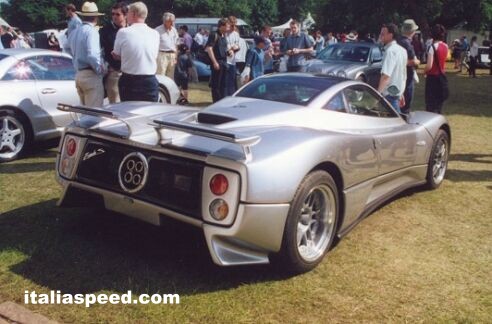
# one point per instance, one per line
(38, 99)
(371, 158)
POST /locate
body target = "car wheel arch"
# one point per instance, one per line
(336, 174)
(447, 129)
(165, 92)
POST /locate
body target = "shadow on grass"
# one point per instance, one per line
(13, 168)
(469, 175)
(477, 158)
(84, 251)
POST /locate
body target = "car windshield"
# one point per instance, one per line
(351, 53)
(292, 90)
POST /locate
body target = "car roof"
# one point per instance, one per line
(328, 80)
(21, 53)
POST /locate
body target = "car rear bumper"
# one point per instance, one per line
(257, 230)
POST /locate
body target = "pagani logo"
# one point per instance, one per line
(90, 155)
(133, 171)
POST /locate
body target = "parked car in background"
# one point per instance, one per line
(483, 61)
(274, 173)
(32, 83)
(357, 61)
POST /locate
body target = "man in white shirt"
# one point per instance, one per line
(394, 69)
(200, 37)
(168, 41)
(137, 47)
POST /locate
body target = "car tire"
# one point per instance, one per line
(438, 160)
(311, 224)
(15, 135)
(164, 95)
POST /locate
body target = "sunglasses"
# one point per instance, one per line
(116, 14)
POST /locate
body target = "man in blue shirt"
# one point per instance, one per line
(85, 48)
(73, 20)
(297, 46)
(254, 61)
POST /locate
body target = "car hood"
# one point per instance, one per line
(332, 68)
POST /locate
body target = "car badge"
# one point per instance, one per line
(133, 171)
(90, 155)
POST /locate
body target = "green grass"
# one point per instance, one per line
(425, 257)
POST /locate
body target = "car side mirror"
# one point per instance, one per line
(376, 60)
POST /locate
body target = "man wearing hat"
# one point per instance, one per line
(408, 30)
(85, 48)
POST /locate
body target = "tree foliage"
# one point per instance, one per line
(336, 15)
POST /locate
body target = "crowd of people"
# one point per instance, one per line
(123, 57)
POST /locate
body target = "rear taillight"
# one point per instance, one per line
(219, 209)
(219, 184)
(71, 147)
(220, 202)
(69, 155)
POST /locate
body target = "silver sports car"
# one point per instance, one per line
(32, 83)
(274, 173)
(357, 61)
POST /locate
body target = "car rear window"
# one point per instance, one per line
(292, 90)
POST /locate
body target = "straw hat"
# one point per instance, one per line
(409, 25)
(351, 37)
(89, 9)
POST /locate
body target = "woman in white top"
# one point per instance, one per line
(473, 56)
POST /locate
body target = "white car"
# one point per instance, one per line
(32, 83)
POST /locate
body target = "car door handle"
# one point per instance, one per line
(48, 91)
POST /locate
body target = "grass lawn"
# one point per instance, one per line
(425, 257)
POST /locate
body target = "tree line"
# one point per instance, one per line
(330, 15)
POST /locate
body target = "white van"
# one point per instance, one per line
(194, 24)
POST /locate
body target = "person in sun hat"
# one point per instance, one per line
(352, 37)
(85, 48)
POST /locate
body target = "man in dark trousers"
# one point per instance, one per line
(107, 35)
(408, 30)
(216, 49)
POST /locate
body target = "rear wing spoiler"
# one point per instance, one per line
(123, 117)
(244, 141)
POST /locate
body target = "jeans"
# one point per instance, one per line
(395, 102)
(138, 88)
(408, 94)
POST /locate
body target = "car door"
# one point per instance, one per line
(394, 139)
(373, 70)
(55, 83)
